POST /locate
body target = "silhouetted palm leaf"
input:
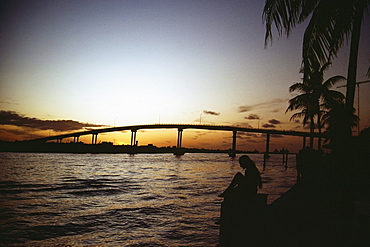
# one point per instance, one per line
(337, 120)
(316, 98)
(331, 24)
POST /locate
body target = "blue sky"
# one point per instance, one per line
(138, 62)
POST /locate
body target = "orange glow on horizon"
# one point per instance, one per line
(191, 138)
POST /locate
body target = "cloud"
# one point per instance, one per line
(16, 119)
(14, 133)
(267, 104)
(239, 136)
(252, 117)
(7, 102)
(199, 134)
(308, 126)
(18, 132)
(242, 124)
(277, 136)
(268, 126)
(253, 135)
(271, 123)
(211, 113)
(249, 134)
(274, 121)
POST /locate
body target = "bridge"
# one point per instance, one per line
(180, 128)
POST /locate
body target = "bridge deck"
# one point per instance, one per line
(134, 128)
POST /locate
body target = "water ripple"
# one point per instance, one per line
(119, 200)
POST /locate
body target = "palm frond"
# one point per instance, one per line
(316, 39)
(332, 98)
(300, 87)
(307, 8)
(297, 115)
(330, 26)
(333, 80)
(339, 119)
(285, 14)
(334, 94)
(301, 114)
(324, 68)
(301, 101)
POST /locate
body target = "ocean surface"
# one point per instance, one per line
(121, 199)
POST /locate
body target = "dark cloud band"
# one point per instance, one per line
(16, 119)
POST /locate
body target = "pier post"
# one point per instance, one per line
(233, 148)
(179, 138)
(267, 143)
(285, 160)
(133, 137)
(265, 156)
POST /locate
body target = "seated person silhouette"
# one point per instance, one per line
(239, 210)
(240, 195)
(244, 186)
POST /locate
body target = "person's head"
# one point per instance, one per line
(246, 162)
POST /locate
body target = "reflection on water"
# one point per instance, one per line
(118, 199)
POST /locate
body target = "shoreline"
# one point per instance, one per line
(107, 147)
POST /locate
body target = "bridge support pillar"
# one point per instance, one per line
(76, 139)
(133, 137)
(179, 138)
(267, 151)
(94, 139)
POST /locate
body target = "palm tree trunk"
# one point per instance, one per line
(319, 130)
(312, 130)
(352, 66)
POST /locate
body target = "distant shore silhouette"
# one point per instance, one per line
(104, 147)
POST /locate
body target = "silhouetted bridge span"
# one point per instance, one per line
(180, 128)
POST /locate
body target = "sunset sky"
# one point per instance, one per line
(117, 63)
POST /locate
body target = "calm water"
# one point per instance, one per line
(121, 200)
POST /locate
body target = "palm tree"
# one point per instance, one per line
(316, 98)
(336, 120)
(304, 103)
(327, 98)
(331, 24)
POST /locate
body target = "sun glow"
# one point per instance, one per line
(133, 63)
